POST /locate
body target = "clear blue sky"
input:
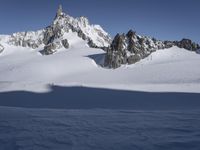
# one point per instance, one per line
(163, 19)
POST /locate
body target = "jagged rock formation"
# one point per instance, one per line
(49, 49)
(131, 48)
(65, 43)
(60, 11)
(93, 34)
(187, 44)
(27, 39)
(53, 37)
(1, 48)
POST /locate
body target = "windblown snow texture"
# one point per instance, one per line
(36, 129)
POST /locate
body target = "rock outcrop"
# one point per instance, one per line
(1, 48)
(65, 43)
(49, 49)
(130, 48)
(187, 44)
(27, 39)
(59, 12)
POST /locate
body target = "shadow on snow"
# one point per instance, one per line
(98, 58)
(91, 98)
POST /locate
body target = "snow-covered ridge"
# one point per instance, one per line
(81, 25)
(32, 39)
(53, 35)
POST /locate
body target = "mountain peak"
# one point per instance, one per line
(84, 21)
(131, 48)
(59, 11)
(57, 35)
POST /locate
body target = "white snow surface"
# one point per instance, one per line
(168, 70)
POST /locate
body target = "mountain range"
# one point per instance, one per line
(124, 49)
(73, 52)
(53, 37)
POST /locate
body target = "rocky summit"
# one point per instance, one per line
(53, 37)
(130, 48)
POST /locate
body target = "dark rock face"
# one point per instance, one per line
(131, 48)
(133, 59)
(48, 36)
(49, 49)
(131, 33)
(65, 43)
(82, 35)
(91, 44)
(187, 44)
(52, 33)
(118, 43)
(168, 44)
(60, 11)
(1, 48)
(116, 54)
(114, 59)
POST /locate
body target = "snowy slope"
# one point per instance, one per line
(173, 69)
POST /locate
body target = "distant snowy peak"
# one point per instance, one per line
(94, 34)
(53, 37)
(30, 39)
